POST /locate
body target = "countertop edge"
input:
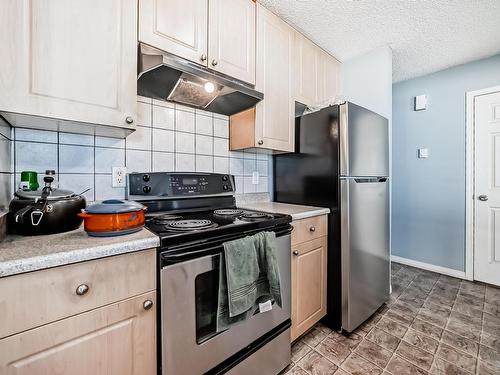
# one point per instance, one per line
(307, 214)
(42, 262)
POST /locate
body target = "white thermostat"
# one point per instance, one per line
(420, 102)
(423, 153)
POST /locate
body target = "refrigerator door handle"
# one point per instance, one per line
(369, 180)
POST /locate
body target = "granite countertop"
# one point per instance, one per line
(19, 254)
(295, 211)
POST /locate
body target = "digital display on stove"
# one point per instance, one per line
(190, 181)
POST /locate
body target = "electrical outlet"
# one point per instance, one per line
(255, 178)
(119, 177)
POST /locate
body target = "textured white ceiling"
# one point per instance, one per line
(426, 36)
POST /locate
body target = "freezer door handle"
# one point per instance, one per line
(370, 180)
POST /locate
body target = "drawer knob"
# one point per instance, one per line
(203, 57)
(129, 120)
(260, 142)
(295, 252)
(214, 62)
(312, 229)
(147, 304)
(82, 289)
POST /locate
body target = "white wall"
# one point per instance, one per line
(367, 80)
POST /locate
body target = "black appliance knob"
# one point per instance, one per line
(225, 178)
(146, 177)
(146, 189)
(225, 187)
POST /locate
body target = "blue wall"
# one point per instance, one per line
(428, 195)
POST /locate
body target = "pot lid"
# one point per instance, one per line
(55, 194)
(114, 206)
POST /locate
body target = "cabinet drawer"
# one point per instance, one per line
(33, 299)
(309, 229)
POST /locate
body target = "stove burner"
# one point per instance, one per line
(188, 225)
(254, 216)
(228, 212)
(165, 219)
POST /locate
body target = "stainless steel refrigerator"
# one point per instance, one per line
(341, 161)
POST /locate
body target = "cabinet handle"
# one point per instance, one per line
(260, 142)
(203, 57)
(147, 304)
(214, 62)
(129, 120)
(82, 289)
(295, 252)
(312, 229)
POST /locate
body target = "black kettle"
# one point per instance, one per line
(46, 212)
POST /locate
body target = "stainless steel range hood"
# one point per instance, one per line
(167, 77)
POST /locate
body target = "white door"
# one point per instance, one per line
(487, 188)
(175, 26)
(71, 60)
(231, 40)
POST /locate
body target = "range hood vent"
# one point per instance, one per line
(167, 77)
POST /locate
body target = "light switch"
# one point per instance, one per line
(420, 102)
(423, 153)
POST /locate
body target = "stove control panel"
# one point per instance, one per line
(166, 185)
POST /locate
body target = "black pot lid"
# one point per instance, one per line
(54, 194)
(114, 206)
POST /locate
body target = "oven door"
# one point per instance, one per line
(189, 290)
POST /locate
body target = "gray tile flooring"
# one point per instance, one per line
(433, 324)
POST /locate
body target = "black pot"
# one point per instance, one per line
(45, 212)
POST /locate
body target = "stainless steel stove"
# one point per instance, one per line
(194, 214)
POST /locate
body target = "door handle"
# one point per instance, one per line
(482, 198)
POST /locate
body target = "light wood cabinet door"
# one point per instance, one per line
(329, 77)
(231, 41)
(275, 117)
(307, 71)
(176, 26)
(70, 60)
(115, 339)
(308, 284)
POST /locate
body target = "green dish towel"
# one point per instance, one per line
(248, 276)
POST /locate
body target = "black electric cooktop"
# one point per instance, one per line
(178, 226)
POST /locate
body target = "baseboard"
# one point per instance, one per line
(429, 267)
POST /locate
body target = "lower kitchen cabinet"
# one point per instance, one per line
(96, 317)
(309, 268)
(115, 339)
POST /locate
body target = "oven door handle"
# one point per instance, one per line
(215, 249)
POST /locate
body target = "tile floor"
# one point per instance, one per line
(433, 324)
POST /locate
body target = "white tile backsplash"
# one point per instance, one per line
(204, 124)
(221, 128)
(163, 162)
(76, 139)
(140, 139)
(163, 117)
(107, 158)
(76, 159)
(184, 143)
(138, 161)
(38, 157)
(204, 145)
(184, 121)
(184, 163)
(204, 163)
(163, 140)
(167, 138)
(221, 147)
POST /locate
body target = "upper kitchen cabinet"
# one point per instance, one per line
(330, 76)
(176, 26)
(307, 69)
(218, 34)
(271, 124)
(231, 40)
(74, 61)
